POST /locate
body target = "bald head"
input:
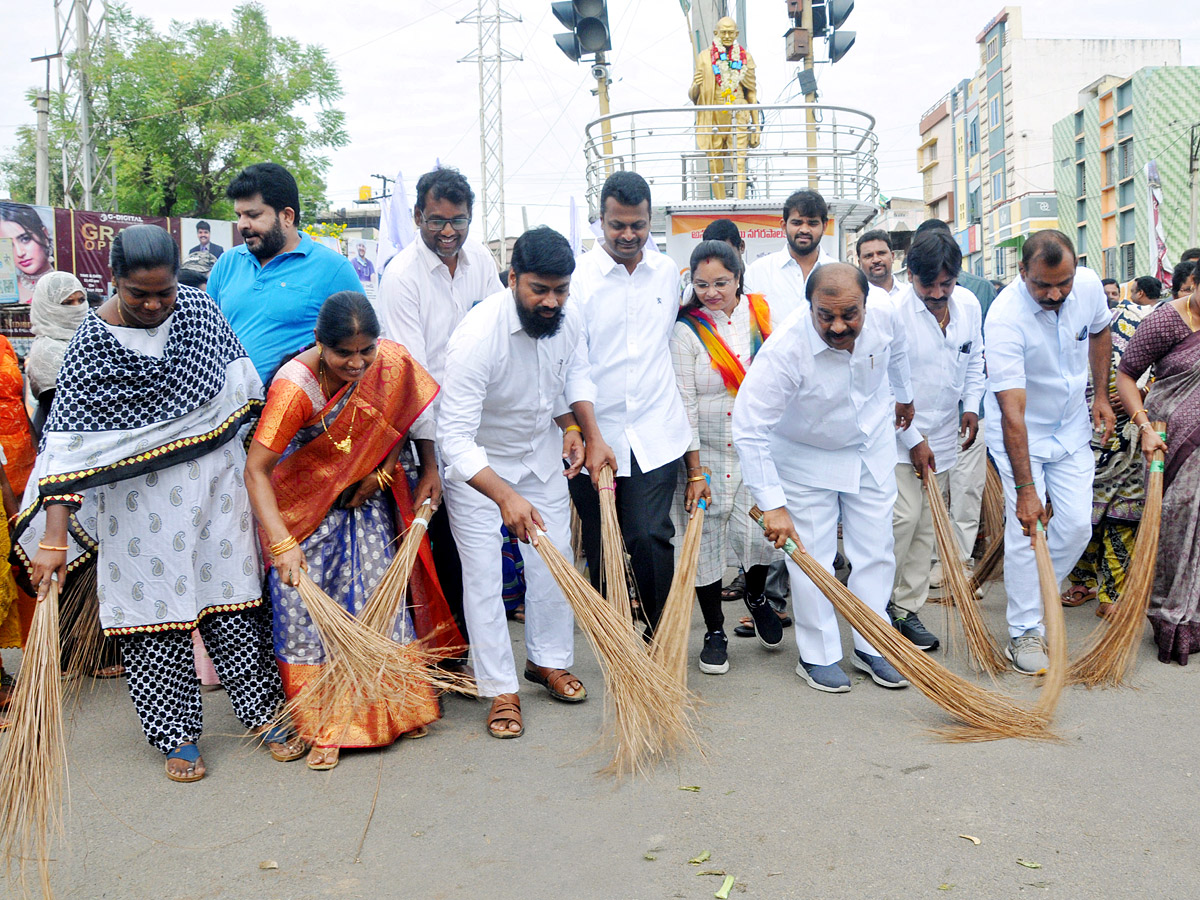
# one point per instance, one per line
(726, 31)
(837, 299)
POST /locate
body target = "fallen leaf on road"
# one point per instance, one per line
(694, 788)
(649, 856)
(723, 893)
(970, 837)
(1029, 864)
(711, 872)
(268, 864)
(945, 887)
(703, 857)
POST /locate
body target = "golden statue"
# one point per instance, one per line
(725, 77)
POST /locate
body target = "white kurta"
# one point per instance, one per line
(729, 534)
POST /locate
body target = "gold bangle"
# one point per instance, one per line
(696, 478)
(281, 547)
(1134, 415)
(571, 428)
(384, 479)
(42, 546)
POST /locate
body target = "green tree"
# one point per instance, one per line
(183, 112)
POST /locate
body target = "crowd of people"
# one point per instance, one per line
(217, 430)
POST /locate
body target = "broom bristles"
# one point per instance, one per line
(1113, 644)
(985, 715)
(1056, 630)
(362, 667)
(34, 760)
(647, 716)
(82, 641)
(671, 634)
(992, 510)
(612, 545)
(385, 604)
(984, 652)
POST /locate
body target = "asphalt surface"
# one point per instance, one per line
(800, 795)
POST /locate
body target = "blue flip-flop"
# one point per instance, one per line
(189, 753)
(281, 734)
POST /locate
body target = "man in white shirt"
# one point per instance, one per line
(812, 426)
(1043, 333)
(628, 300)
(876, 258)
(517, 404)
(943, 325)
(782, 276)
(423, 294)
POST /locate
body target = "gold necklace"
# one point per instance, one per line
(345, 443)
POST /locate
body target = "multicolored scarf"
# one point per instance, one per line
(724, 360)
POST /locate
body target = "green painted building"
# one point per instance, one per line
(1100, 156)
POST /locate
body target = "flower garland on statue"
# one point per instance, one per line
(728, 65)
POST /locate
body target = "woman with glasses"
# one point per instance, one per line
(719, 330)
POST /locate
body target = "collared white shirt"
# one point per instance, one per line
(779, 278)
(503, 389)
(947, 369)
(898, 285)
(628, 320)
(1046, 354)
(420, 304)
(815, 415)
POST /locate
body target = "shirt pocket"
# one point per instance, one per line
(287, 301)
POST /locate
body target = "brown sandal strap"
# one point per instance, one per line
(555, 679)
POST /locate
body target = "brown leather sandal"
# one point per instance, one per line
(504, 712)
(1077, 595)
(555, 680)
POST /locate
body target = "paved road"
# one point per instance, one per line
(802, 795)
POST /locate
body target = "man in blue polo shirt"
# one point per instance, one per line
(272, 287)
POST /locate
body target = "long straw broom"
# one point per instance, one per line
(985, 715)
(385, 604)
(669, 646)
(1056, 629)
(612, 544)
(984, 652)
(34, 761)
(82, 641)
(647, 716)
(992, 510)
(1113, 645)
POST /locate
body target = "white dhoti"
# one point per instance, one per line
(549, 622)
(1067, 482)
(866, 518)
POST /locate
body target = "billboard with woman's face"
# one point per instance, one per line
(31, 230)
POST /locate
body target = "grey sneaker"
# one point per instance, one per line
(910, 625)
(879, 669)
(1028, 653)
(830, 679)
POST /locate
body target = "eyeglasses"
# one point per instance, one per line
(458, 223)
(720, 284)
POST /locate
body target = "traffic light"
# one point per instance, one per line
(840, 42)
(588, 21)
(820, 19)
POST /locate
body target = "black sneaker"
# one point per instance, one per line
(714, 658)
(909, 625)
(766, 624)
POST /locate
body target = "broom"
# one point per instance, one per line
(612, 545)
(83, 639)
(1113, 644)
(992, 510)
(985, 715)
(984, 652)
(34, 761)
(362, 667)
(669, 646)
(385, 604)
(648, 716)
(1056, 629)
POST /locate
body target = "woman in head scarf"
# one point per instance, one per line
(59, 306)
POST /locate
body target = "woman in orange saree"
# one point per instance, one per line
(329, 497)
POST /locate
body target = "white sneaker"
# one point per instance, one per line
(935, 575)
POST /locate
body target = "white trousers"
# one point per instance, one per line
(549, 622)
(967, 479)
(1067, 481)
(912, 529)
(867, 539)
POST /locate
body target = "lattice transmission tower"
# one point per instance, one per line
(79, 25)
(490, 57)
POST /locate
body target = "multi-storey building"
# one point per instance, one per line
(985, 151)
(1102, 149)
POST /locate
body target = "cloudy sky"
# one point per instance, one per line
(408, 102)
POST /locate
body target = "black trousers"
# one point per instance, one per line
(448, 566)
(644, 511)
